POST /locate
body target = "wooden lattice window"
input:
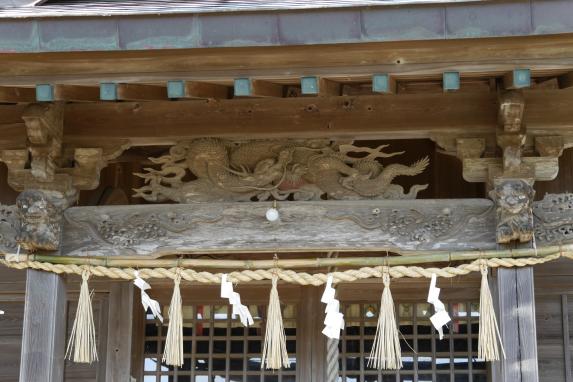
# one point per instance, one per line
(425, 357)
(217, 348)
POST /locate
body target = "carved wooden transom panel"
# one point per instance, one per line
(209, 170)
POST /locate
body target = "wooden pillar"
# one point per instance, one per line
(311, 343)
(514, 292)
(119, 330)
(44, 329)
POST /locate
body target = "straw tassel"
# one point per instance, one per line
(275, 354)
(82, 344)
(386, 352)
(488, 345)
(173, 354)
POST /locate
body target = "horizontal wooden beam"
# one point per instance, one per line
(10, 94)
(246, 87)
(132, 92)
(196, 90)
(566, 80)
(482, 56)
(76, 93)
(153, 231)
(480, 169)
(407, 116)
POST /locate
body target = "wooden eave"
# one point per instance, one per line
(353, 110)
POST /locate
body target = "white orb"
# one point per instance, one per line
(272, 214)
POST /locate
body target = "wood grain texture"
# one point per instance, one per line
(44, 333)
(506, 295)
(566, 338)
(119, 331)
(527, 341)
(516, 315)
(478, 55)
(153, 230)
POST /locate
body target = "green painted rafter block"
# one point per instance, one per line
(309, 85)
(242, 87)
(175, 89)
(383, 83)
(451, 81)
(44, 93)
(108, 91)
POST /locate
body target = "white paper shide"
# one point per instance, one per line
(147, 302)
(235, 300)
(441, 316)
(334, 320)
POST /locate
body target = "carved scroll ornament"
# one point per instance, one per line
(208, 170)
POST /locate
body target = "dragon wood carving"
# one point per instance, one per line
(279, 169)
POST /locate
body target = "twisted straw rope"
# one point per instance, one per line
(287, 275)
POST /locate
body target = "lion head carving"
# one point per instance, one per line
(40, 221)
(514, 198)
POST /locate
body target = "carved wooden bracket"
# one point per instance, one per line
(511, 177)
(46, 164)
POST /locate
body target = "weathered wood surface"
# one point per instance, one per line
(365, 225)
(514, 291)
(44, 332)
(409, 116)
(540, 53)
(119, 331)
(154, 230)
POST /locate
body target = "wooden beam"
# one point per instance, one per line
(566, 80)
(76, 93)
(196, 90)
(317, 223)
(132, 92)
(140, 92)
(292, 117)
(456, 114)
(479, 169)
(44, 328)
(118, 354)
(246, 87)
(11, 94)
(481, 55)
(517, 79)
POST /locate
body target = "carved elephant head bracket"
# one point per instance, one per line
(209, 170)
